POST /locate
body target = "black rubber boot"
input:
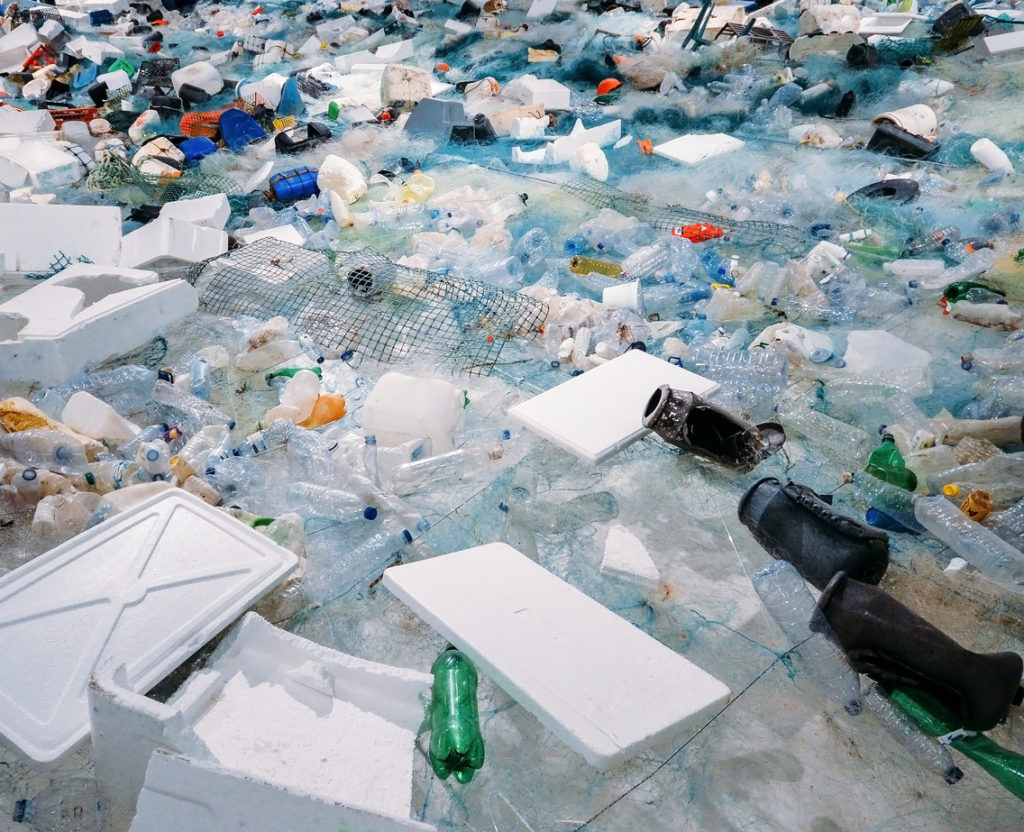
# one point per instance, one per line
(895, 646)
(685, 420)
(793, 523)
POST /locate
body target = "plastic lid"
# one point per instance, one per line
(950, 490)
(407, 535)
(370, 513)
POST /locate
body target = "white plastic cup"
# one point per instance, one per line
(623, 296)
(919, 119)
(991, 156)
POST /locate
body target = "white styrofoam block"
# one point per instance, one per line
(626, 558)
(997, 44)
(546, 92)
(603, 686)
(31, 236)
(346, 726)
(600, 412)
(16, 46)
(182, 794)
(143, 590)
(210, 211)
(43, 164)
(400, 50)
(884, 24)
(93, 49)
(562, 149)
(25, 122)
(165, 239)
(694, 148)
(84, 315)
(876, 350)
(284, 233)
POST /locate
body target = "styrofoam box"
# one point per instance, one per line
(142, 591)
(84, 315)
(694, 148)
(996, 44)
(31, 236)
(604, 687)
(346, 728)
(44, 165)
(546, 92)
(598, 413)
(170, 239)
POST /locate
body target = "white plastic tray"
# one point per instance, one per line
(599, 413)
(145, 589)
(604, 687)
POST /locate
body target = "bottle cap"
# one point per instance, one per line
(950, 490)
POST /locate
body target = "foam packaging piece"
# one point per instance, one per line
(84, 315)
(694, 148)
(346, 726)
(536, 635)
(598, 413)
(997, 44)
(208, 211)
(166, 240)
(546, 92)
(627, 559)
(33, 236)
(42, 164)
(142, 592)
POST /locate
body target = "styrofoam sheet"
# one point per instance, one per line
(145, 590)
(884, 24)
(598, 413)
(183, 794)
(694, 148)
(603, 686)
(32, 236)
(997, 44)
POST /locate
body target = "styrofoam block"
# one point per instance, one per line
(562, 149)
(25, 122)
(876, 350)
(93, 49)
(546, 92)
(401, 50)
(626, 558)
(694, 148)
(166, 239)
(43, 164)
(598, 413)
(84, 315)
(186, 794)
(31, 236)
(143, 590)
(209, 211)
(16, 46)
(997, 44)
(346, 726)
(284, 233)
(536, 635)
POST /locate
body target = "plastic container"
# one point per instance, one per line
(294, 184)
(402, 407)
(238, 129)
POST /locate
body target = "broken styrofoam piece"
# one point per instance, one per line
(14, 122)
(284, 233)
(182, 793)
(884, 23)
(142, 591)
(997, 44)
(598, 413)
(209, 211)
(16, 46)
(42, 163)
(694, 148)
(626, 558)
(875, 350)
(546, 92)
(84, 315)
(385, 54)
(535, 635)
(165, 239)
(590, 159)
(202, 75)
(562, 149)
(96, 419)
(33, 237)
(346, 726)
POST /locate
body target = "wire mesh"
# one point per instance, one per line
(773, 238)
(156, 73)
(365, 302)
(116, 177)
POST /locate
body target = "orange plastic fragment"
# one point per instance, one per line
(646, 146)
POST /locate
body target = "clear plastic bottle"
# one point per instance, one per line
(59, 517)
(934, 241)
(848, 443)
(645, 261)
(196, 452)
(358, 565)
(125, 388)
(311, 348)
(272, 436)
(974, 264)
(160, 430)
(200, 378)
(370, 461)
(995, 362)
(923, 747)
(54, 450)
(1002, 476)
(313, 500)
(532, 249)
(459, 464)
(1009, 524)
(978, 545)
(815, 648)
(198, 413)
(896, 502)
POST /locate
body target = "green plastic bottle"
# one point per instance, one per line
(887, 463)
(1004, 765)
(973, 292)
(456, 744)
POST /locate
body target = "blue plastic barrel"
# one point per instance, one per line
(292, 185)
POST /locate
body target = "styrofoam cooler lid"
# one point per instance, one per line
(145, 589)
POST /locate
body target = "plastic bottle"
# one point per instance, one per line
(106, 475)
(974, 264)
(54, 450)
(815, 647)
(199, 380)
(459, 464)
(892, 500)
(370, 462)
(924, 748)
(1001, 476)
(312, 349)
(161, 430)
(59, 517)
(517, 531)
(933, 241)
(1004, 765)
(355, 566)
(197, 412)
(717, 269)
(331, 503)
(989, 362)
(887, 463)
(985, 551)
(194, 455)
(846, 442)
(456, 744)
(575, 245)
(532, 249)
(124, 388)
(645, 261)
(588, 265)
(973, 292)
(915, 268)
(1009, 524)
(272, 436)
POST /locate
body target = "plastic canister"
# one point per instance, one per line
(295, 184)
(402, 407)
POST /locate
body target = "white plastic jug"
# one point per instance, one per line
(401, 407)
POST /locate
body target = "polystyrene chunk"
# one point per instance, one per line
(84, 315)
(598, 413)
(32, 237)
(346, 726)
(209, 211)
(603, 686)
(875, 350)
(626, 558)
(997, 44)
(165, 239)
(544, 91)
(44, 165)
(143, 590)
(694, 148)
